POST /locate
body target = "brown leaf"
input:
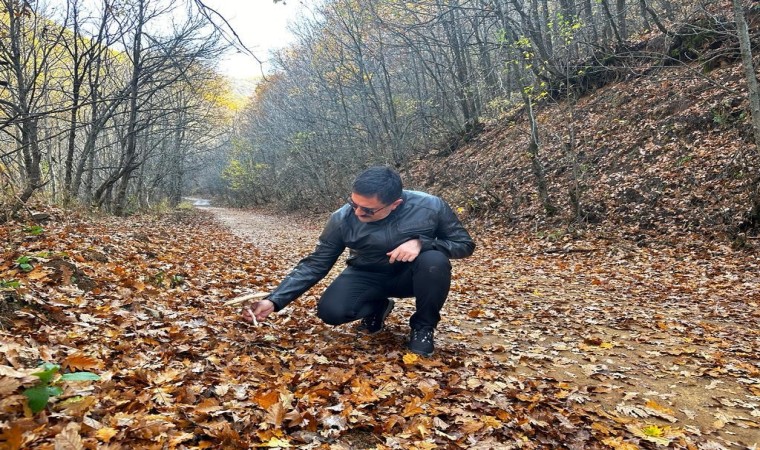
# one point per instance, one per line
(80, 362)
(413, 408)
(69, 438)
(275, 414)
(265, 400)
(12, 437)
(8, 385)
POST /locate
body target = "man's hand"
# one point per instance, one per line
(259, 311)
(406, 252)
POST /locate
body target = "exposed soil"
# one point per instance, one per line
(668, 333)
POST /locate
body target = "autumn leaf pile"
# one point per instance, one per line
(541, 346)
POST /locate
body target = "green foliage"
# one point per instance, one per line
(234, 174)
(551, 235)
(726, 114)
(242, 171)
(158, 278)
(684, 159)
(9, 284)
(566, 27)
(48, 385)
(177, 280)
(24, 263)
(34, 230)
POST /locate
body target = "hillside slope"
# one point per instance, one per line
(666, 153)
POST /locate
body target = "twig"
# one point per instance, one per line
(569, 250)
(245, 298)
(253, 316)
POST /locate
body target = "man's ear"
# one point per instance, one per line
(397, 203)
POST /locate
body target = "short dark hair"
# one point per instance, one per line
(380, 181)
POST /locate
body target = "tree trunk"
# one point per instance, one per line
(611, 21)
(588, 17)
(749, 69)
(130, 154)
(745, 46)
(535, 161)
(622, 20)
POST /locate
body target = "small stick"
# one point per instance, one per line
(245, 298)
(253, 316)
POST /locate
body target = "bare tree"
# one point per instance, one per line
(27, 53)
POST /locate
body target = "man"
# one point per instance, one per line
(400, 244)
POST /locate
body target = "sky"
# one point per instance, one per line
(261, 25)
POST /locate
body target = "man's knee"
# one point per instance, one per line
(434, 262)
(331, 313)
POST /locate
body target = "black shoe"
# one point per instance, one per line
(374, 323)
(421, 341)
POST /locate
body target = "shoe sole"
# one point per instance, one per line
(421, 353)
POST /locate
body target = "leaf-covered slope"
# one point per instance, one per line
(668, 151)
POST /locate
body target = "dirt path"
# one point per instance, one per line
(664, 334)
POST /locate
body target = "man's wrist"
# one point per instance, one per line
(275, 305)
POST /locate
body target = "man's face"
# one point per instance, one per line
(364, 207)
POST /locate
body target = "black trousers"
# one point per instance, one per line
(356, 294)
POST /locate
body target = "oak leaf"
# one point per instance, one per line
(8, 385)
(275, 414)
(265, 400)
(617, 443)
(277, 443)
(413, 408)
(80, 362)
(106, 433)
(13, 437)
(410, 358)
(69, 438)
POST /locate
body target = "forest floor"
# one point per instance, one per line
(546, 342)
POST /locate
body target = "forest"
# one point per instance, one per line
(108, 107)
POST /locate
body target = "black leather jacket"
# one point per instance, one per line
(420, 216)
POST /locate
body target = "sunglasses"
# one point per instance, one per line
(364, 209)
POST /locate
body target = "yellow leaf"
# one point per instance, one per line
(163, 396)
(38, 274)
(410, 358)
(106, 433)
(491, 421)
(652, 430)
(607, 345)
(651, 433)
(618, 444)
(601, 427)
(277, 443)
(168, 376)
(657, 407)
